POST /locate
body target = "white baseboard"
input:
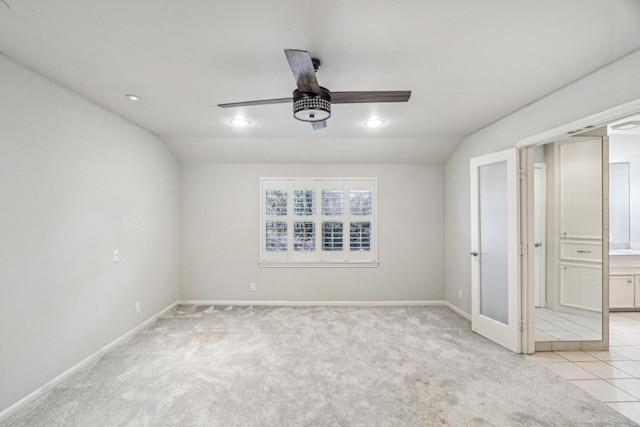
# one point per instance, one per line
(66, 374)
(60, 378)
(315, 303)
(458, 310)
(330, 304)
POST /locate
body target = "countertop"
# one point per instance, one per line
(624, 252)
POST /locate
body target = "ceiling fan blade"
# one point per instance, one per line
(260, 102)
(303, 72)
(370, 96)
(319, 125)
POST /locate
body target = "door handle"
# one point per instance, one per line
(474, 253)
(538, 244)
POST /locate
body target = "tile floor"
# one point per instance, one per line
(556, 326)
(611, 376)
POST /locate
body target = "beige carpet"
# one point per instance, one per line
(314, 366)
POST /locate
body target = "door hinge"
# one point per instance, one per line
(522, 174)
(523, 325)
(523, 250)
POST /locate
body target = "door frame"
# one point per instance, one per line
(528, 261)
(543, 225)
(526, 185)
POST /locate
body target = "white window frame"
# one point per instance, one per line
(319, 258)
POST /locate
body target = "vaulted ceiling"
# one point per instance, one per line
(467, 63)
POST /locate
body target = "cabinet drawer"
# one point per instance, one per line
(581, 251)
(621, 292)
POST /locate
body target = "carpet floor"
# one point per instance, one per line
(314, 366)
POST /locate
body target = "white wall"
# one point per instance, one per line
(76, 182)
(219, 237)
(611, 86)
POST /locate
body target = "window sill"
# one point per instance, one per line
(327, 264)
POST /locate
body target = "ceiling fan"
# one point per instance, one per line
(312, 102)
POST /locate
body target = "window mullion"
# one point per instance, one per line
(347, 221)
(290, 220)
(318, 221)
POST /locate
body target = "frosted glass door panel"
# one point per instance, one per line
(493, 214)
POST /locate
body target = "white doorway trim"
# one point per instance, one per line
(528, 262)
(593, 121)
(540, 232)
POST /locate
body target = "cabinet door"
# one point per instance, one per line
(621, 292)
(581, 188)
(581, 286)
(637, 296)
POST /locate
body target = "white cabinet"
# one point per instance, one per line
(581, 285)
(622, 292)
(624, 280)
(580, 256)
(581, 189)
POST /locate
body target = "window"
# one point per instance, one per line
(304, 202)
(332, 235)
(276, 236)
(304, 236)
(318, 222)
(276, 202)
(360, 201)
(360, 234)
(332, 202)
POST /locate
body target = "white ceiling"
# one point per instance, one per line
(467, 62)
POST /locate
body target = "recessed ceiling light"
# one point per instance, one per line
(240, 122)
(131, 97)
(374, 123)
(626, 125)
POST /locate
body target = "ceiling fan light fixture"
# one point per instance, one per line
(312, 102)
(311, 107)
(374, 123)
(240, 123)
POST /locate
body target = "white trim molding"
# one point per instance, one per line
(328, 304)
(444, 303)
(458, 310)
(320, 264)
(590, 122)
(95, 356)
(66, 374)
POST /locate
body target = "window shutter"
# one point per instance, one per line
(318, 222)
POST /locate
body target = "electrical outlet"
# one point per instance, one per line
(138, 308)
(116, 255)
(252, 287)
(459, 293)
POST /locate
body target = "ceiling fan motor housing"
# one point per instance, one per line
(311, 107)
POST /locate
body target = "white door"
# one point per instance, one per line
(540, 231)
(495, 284)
